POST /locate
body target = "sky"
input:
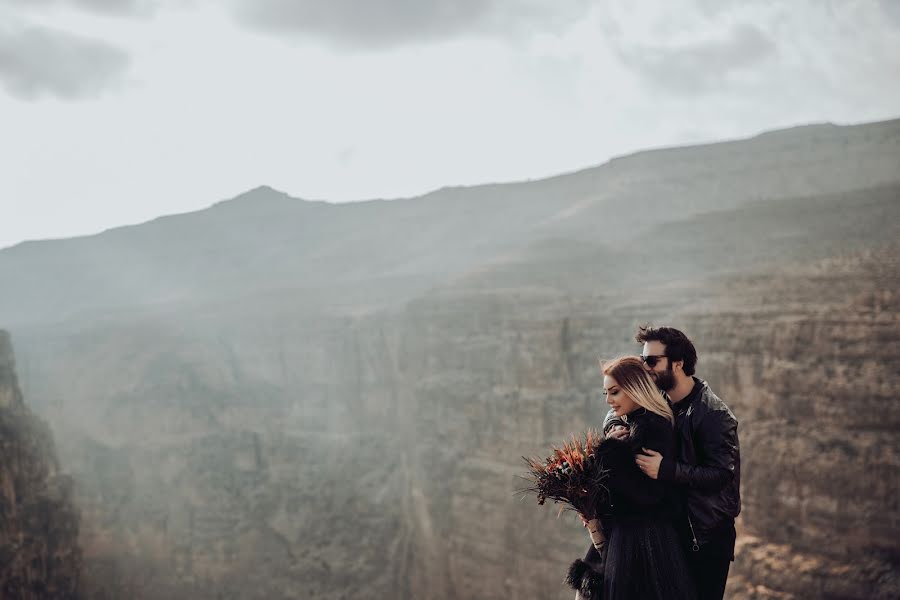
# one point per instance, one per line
(114, 112)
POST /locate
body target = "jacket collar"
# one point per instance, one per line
(685, 405)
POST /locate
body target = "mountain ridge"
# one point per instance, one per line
(271, 193)
(266, 238)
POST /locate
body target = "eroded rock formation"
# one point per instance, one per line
(39, 554)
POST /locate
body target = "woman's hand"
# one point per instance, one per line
(619, 432)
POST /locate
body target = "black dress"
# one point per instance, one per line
(644, 557)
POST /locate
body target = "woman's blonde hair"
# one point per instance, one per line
(630, 374)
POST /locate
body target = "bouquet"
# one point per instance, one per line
(574, 476)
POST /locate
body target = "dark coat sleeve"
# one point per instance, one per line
(717, 448)
(630, 488)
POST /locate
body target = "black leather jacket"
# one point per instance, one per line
(706, 465)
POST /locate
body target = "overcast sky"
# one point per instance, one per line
(117, 111)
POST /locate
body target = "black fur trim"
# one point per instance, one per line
(616, 454)
(585, 580)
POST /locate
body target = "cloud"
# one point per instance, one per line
(698, 67)
(386, 23)
(891, 9)
(104, 7)
(38, 61)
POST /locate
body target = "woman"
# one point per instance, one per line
(642, 557)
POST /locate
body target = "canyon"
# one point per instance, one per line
(279, 398)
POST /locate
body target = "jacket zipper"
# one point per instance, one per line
(696, 546)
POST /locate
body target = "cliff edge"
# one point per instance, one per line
(39, 553)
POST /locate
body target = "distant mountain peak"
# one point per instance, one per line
(265, 189)
(262, 194)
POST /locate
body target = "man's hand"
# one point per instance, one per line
(619, 432)
(649, 462)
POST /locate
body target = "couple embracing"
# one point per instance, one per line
(668, 525)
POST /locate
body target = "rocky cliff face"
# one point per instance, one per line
(384, 462)
(808, 357)
(39, 554)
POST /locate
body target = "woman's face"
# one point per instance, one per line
(616, 397)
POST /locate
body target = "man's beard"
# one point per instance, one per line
(665, 380)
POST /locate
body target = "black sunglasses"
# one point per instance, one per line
(652, 359)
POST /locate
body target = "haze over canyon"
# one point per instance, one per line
(280, 398)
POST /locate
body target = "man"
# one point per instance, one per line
(707, 466)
